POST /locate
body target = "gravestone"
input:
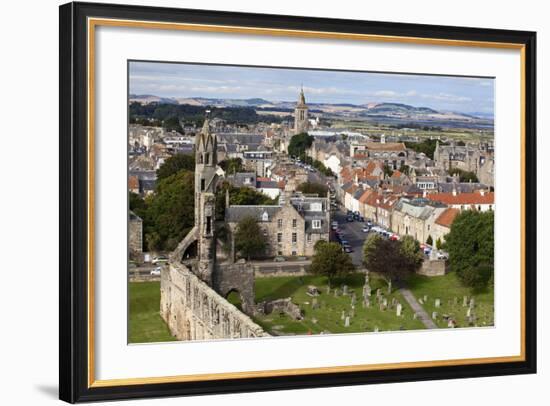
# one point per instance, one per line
(425, 298)
(434, 315)
(469, 312)
(398, 309)
(472, 303)
(437, 302)
(343, 315)
(420, 301)
(415, 316)
(465, 301)
(366, 302)
(352, 312)
(344, 290)
(378, 293)
(328, 290)
(346, 323)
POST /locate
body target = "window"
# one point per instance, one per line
(316, 224)
(280, 223)
(294, 223)
(208, 224)
(279, 237)
(279, 253)
(293, 253)
(308, 237)
(294, 237)
(203, 184)
(316, 207)
(265, 216)
(207, 158)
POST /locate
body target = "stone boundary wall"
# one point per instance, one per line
(194, 311)
(280, 269)
(432, 267)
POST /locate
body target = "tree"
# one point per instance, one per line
(429, 240)
(410, 250)
(427, 147)
(393, 260)
(313, 188)
(171, 210)
(471, 247)
(298, 144)
(388, 171)
(175, 164)
(438, 244)
(464, 176)
(250, 241)
(329, 260)
(232, 165)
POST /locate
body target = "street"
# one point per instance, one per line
(352, 234)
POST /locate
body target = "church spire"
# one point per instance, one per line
(302, 98)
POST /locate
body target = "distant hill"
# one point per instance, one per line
(390, 111)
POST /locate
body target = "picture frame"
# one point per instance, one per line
(78, 190)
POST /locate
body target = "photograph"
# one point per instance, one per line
(267, 202)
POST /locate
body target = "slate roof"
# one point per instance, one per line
(234, 214)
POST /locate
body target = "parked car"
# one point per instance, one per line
(442, 255)
(365, 229)
(394, 237)
(344, 242)
(159, 260)
(348, 249)
(349, 219)
(156, 271)
(279, 259)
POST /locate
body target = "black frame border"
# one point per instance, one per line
(73, 196)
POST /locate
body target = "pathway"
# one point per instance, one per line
(423, 316)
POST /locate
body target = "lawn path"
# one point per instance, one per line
(423, 316)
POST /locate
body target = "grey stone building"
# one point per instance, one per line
(135, 234)
(291, 228)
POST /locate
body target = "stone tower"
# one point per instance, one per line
(205, 201)
(301, 122)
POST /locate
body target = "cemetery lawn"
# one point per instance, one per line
(329, 314)
(145, 324)
(447, 288)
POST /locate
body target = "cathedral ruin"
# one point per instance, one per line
(197, 281)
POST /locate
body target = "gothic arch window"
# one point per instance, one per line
(200, 159)
(265, 216)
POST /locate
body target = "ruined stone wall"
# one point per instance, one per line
(432, 267)
(194, 311)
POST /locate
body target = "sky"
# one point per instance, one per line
(180, 80)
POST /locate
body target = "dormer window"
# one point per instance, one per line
(316, 224)
(265, 216)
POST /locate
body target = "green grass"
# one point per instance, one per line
(447, 288)
(145, 323)
(328, 315)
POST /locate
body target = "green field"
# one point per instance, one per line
(145, 324)
(328, 317)
(450, 291)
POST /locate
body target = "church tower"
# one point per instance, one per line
(205, 201)
(301, 122)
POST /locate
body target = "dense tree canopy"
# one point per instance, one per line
(175, 164)
(471, 247)
(250, 241)
(329, 260)
(427, 147)
(393, 260)
(313, 188)
(170, 212)
(298, 144)
(232, 165)
(464, 176)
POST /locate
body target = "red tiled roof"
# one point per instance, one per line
(464, 198)
(447, 217)
(133, 183)
(364, 197)
(396, 174)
